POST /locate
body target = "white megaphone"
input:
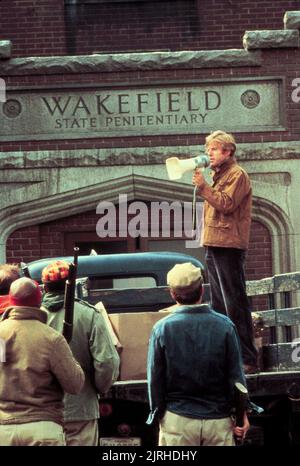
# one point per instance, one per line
(176, 167)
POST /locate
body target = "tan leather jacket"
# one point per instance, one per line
(227, 208)
(37, 368)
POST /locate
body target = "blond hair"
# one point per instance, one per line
(225, 139)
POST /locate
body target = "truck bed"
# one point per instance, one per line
(259, 385)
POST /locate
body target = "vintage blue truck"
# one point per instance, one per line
(137, 283)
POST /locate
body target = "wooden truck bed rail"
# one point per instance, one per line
(280, 324)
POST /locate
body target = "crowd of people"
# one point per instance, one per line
(49, 389)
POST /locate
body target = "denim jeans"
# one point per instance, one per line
(225, 267)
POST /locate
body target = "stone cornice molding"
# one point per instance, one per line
(139, 155)
(291, 20)
(118, 62)
(269, 39)
(5, 49)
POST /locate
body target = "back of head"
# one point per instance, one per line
(226, 140)
(8, 274)
(54, 276)
(185, 282)
(25, 292)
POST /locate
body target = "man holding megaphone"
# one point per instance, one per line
(227, 219)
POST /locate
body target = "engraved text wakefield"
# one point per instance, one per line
(136, 109)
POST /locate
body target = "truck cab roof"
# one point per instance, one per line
(153, 264)
(128, 282)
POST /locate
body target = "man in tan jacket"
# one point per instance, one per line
(227, 219)
(36, 368)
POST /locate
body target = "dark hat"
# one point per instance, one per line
(56, 271)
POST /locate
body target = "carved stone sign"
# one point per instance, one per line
(182, 108)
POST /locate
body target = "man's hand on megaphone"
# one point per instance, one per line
(198, 178)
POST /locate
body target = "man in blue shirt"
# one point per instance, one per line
(194, 360)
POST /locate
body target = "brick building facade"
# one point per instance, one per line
(57, 27)
(53, 177)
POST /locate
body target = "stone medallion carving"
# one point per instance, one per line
(250, 99)
(12, 108)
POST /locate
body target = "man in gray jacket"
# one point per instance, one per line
(36, 368)
(92, 347)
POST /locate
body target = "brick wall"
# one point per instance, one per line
(46, 27)
(47, 239)
(259, 260)
(24, 245)
(259, 257)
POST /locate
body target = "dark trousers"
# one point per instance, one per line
(226, 276)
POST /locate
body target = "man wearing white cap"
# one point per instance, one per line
(194, 360)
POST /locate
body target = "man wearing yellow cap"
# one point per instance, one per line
(194, 360)
(93, 349)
